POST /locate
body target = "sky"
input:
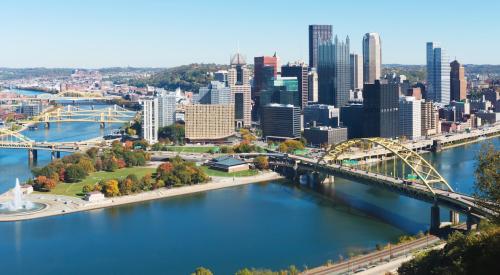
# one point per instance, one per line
(155, 33)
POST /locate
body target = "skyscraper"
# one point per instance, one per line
(298, 70)
(372, 57)
(150, 120)
(438, 74)
(239, 81)
(166, 108)
(313, 86)
(280, 121)
(356, 72)
(260, 76)
(317, 35)
(334, 76)
(381, 109)
(458, 84)
(410, 117)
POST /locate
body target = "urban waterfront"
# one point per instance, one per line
(268, 225)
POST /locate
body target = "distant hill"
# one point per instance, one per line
(187, 77)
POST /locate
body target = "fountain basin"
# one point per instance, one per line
(34, 207)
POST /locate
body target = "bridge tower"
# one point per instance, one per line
(32, 155)
(435, 218)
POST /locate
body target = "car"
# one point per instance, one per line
(360, 270)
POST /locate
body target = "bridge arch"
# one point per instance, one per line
(422, 168)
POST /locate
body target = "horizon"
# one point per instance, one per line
(155, 34)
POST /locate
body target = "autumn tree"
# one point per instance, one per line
(487, 185)
(261, 162)
(202, 271)
(111, 189)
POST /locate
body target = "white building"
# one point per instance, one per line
(410, 117)
(150, 120)
(166, 109)
(438, 74)
(372, 57)
(313, 86)
(94, 196)
(356, 72)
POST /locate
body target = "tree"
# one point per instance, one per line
(202, 271)
(175, 133)
(74, 173)
(261, 162)
(87, 188)
(87, 165)
(487, 185)
(111, 188)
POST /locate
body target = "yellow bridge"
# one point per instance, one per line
(114, 114)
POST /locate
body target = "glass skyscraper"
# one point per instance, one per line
(372, 57)
(334, 77)
(438, 74)
(317, 35)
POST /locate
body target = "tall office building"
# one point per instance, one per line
(313, 86)
(410, 117)
(334, 76)
(299, 71)
(317, 35)
(239, 82)
(381, 109)
(214, 93)
(356, 72)
(166, 108)
(458, 84)
(438, 74)
(209, 122)
(321, 115)
(150, 120)
(283, 90)
(429, 124)
(280, 121)
(263, 67)
(372, 57)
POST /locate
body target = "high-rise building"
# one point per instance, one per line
(410, 117)
(458, 84)
(150, 120)
(372, 57)
(381, 109)
(334, 76)
(356, 72)
(208, 123)
(313, 86)
(284, 90)
(323, 135)
(239, 82)
(265, 69)
(438, 74)
(321, 115)
(221, 76)
(166, 108)
(429, 124)
(214, 93)
(299, 71)
(317, 35)
(280, 121)
(352, 118)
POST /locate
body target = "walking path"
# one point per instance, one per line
(61, 205)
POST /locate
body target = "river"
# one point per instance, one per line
(268, 225)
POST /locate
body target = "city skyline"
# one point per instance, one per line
(155, 34)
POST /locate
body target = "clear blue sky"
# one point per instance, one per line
(103, 33)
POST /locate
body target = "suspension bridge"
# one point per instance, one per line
(400, 170)
(70, 113)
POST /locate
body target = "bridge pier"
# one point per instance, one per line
(454, 217)
(102, 125)
(55, 154)
(32, 155)
(435, 218)
(471, 221)
(47, 125)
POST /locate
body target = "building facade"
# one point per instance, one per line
(356, 72)
(372, 57)
(410, 117)
(239, 83)
(280, 121)
(150, 120)
(317, 35)
(318, 136)
(381, 109)
(283, 90)
(438, 74)
(334, 76)
(300, 72)
(166, 109)
(321, 115)
(429, 124)
(209, 122)
(458, 84)
(313, 86)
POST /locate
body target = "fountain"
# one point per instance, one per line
(18, 205)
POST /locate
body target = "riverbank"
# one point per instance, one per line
(61, 205)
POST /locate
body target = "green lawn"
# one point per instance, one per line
(217, 173)
(75, 189)
(190, 149)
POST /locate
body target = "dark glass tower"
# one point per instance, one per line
(317, 35)
(381, 109)
(299, 71)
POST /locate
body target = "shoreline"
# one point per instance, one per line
(62, 205)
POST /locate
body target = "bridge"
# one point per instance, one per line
(70, 113)
(408, 174)
(14, 140)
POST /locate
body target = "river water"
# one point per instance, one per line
(268, 225)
